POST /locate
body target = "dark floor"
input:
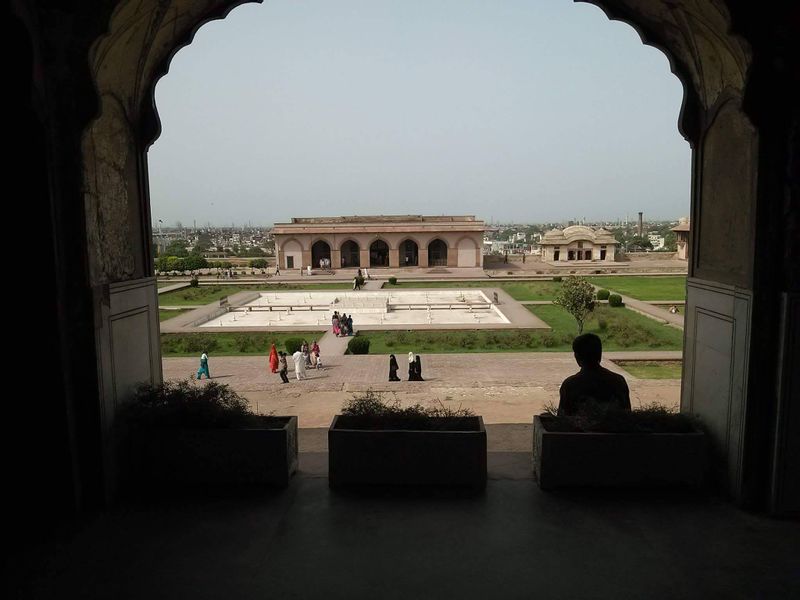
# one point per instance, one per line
(511, 541)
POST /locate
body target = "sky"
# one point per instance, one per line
(514, 111)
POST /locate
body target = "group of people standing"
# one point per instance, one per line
(414, 368)
(305, 357)
(341, 325)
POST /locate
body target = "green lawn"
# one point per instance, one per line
(645, 288)
(163, 315)
(652, 369)
(619, 328)
(229, 344)
(519, 290)
(209, 293)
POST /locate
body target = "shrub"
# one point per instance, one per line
(182, 404)
(650, 418)
(392, 280)
(557, 278)
(615, 300)
(371, 404)
(603, 294)
(194, 281)
(602, 324)
(358, 345)
(293, 344)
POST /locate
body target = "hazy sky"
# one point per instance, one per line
(524, 110)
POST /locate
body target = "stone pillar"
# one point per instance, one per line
(336, 258)
(394, 257)
(306, 259)
(364, 258)
(423, 257)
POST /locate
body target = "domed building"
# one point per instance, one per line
(579, 243)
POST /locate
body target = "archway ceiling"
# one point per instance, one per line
(143, 35)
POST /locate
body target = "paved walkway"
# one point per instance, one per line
(653, 311)
(502, 387)
(330, 345)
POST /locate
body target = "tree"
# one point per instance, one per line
(258, 263)
(177, 248)
(194, 262)
(576, 296)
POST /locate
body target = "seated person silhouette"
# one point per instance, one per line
(593, 386)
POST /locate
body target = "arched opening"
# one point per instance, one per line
(467, 255)
(379, 254)
(437, 253)
(321, 255)
(292, 255)
(351, 254)
(409, 254)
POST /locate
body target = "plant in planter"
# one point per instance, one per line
(648, 446)
(184, 433)
(378, 442)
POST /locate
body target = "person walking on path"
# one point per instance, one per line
(283, 367)
(393, 368)
(299, 365)
(277, 269)
(350, 324)
(273, 359)
(203, 366)
(412, 367)
(418, 368)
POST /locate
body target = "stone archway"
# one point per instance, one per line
(378, 254)
(437, 253)
(351, 254)
(409, 253)
(739, 114)
(320, 253)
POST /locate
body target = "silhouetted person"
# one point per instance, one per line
(418, 368)
(593, 385)
(393, 367)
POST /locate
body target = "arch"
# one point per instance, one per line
(350, 254)
(409, 252)
(437, 253)
(292, 254)
(379, 253)
(320, 253)
(285, 245)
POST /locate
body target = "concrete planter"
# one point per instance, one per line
(452, 452)
(265, 455)
(563, 459)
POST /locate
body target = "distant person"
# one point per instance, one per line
(277, 269)
(358, 274)
(350, 324)
(412, 367)
(203, 366)
(299, 365)
(673, 309)
(314, 350)
(356, 283)
(393, 367)
(273, 359)
(593, 385)
(418, 368)
(283, 367)
(366, 273)
(523, 259)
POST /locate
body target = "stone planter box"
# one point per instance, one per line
(563, 459)
(265, 455)
(451, 452)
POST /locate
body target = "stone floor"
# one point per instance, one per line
(511, 541)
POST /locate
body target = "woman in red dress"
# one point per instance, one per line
(273, 359)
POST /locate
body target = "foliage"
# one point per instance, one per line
(293, 344)
(603, 294)
(557, 278)
(194, 262)
(615, 300)
(649, 418)
(184, 404)
(576, 296)
(358, 345)
(194, 282)
(372, 404)
(392, 280)
(177, 248)
(259, 263)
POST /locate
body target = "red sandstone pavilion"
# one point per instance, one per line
(380, 241)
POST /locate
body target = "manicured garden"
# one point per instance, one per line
(619, 328)
(519, 290)
(229, 344)
(644, 288)
(652, 369)
(204, 294)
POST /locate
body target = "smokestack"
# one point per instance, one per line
(641, 229)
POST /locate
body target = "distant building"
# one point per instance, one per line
(579, 243)
(380, 241)
(682, 238)
(656, 241)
